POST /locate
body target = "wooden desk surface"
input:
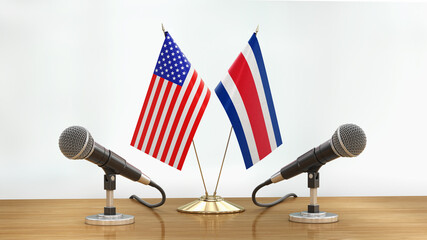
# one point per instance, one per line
(360, 218)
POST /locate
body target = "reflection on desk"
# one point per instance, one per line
(360, 218)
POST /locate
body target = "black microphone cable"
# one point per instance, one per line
(153, 184)
(268, 182)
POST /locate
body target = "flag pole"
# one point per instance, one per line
(223, 158)
(201, 173)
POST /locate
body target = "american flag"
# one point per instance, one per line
(246, 97)
(175, 102)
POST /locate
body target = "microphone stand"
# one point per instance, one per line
(313, 214)
(109, 217)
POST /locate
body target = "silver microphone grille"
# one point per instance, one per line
(76, 142)
(349, 140)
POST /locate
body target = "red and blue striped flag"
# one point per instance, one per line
(246, 97)
(174, 105)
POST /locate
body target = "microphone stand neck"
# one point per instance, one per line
(313, 184)
(109, 186)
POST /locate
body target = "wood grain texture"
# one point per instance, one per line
(360, 218)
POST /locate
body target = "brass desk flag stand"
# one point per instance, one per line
(211, 204)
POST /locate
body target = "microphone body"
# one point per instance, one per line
(309, 161)
(108, 159)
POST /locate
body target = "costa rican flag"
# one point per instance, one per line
(174, 105)
(246, 97)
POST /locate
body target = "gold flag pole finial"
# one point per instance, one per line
(163, 28)
(256, 30)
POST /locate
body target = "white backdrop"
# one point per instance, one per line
(89, 63)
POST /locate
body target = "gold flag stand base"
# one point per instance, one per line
(210, 205)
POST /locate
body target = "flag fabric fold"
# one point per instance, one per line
(246, 97)
(173, 107)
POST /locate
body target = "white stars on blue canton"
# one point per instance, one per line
(172, 64)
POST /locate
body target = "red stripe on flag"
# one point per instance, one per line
(178, 115)
(141, 115)
(159, 114)
(168, 115)
(186, 121)
(150, 113)
(243, 79)
(194, 128)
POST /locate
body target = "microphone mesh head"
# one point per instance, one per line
(349, 140)
(76, 142)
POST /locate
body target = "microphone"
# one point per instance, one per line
(348, 140)
(77, 143)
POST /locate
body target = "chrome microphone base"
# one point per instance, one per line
(320, 217)
(110, 220)
(210, 205)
